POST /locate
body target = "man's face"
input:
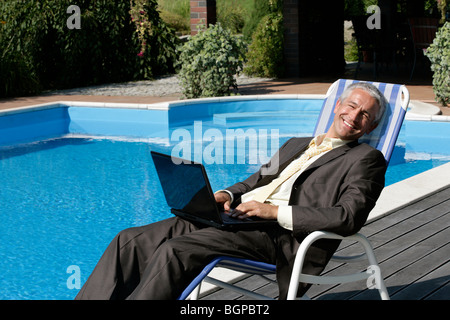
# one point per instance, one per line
(354, 116)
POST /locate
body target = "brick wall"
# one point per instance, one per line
(291, 37)
(203, 12)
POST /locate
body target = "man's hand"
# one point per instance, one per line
(223, 199)
(255, 209)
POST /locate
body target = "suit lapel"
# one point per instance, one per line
(331, 155)
(286, 157)
(293, 152)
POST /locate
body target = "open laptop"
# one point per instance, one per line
(188, 193)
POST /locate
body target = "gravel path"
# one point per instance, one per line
(164, 86)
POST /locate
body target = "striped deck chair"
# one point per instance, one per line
(383, 138)
(385, 135)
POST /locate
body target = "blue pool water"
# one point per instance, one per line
(63, 199)
(67, 198)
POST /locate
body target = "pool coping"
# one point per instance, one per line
(157, 106)
(417, 111)
(392, 198)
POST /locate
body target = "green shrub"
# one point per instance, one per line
(351, 50)
(439, 54)
(230, 14)
(176, 22)
(261, 9)
(17, 76)
(209, 62)
(179, 7)
(176, 14)
(158, 42)
(265, 54)
(35, 41)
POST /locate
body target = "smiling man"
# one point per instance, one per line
(330, 182)
(357, 112)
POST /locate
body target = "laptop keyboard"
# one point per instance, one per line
(228, 219)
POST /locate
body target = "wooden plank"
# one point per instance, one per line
(270, 289)
(406, 212)
(394, 239)
(442, 293)
(397, 256)
(387, 232)
(395, 282)
(407, 274)
(253, 283)
(412, 238)
(428, 286)
(408, 242)
(418, 269)
(398, 217)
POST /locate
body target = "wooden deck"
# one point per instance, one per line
(411, 246)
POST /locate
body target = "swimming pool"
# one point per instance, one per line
(66, 193)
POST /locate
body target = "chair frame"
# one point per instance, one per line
(297, 276)
(262, 269)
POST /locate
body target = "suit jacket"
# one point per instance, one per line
(335, 193)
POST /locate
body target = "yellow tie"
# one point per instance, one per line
(312, 151)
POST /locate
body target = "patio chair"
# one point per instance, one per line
(383, 138)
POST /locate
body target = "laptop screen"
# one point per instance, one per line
(185, 187)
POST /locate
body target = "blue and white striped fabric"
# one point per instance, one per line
(385, 135)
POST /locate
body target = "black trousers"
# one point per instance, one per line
(158, 261)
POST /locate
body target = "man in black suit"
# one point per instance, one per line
(332, 189)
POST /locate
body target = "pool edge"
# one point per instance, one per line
(157, 106)
(410, 190)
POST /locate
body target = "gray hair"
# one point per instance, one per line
(373, 91)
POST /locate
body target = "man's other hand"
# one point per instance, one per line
(255, 209)
(223, 199)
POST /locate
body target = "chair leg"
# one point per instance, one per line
(383, 290)
(297, 276)
(379, 282)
